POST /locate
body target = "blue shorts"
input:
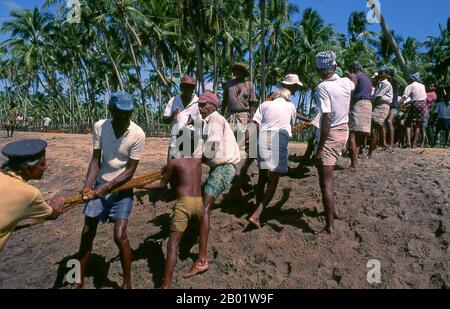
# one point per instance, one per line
(114, 206)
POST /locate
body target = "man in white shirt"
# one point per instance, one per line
(381, 101)
(46, 123)
(221, 153)
(273, 120)
(179, 109)
(118, 145)
(417, 93)
(333, 96)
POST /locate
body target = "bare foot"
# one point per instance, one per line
(336, 215)
(255, 222)
(329, 229)
(197, 269)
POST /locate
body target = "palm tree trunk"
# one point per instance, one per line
(179, 64)
(137, 67)
(262, 88)
(109, 94)
(115, 69)
(160, 76)
(250, 38)
(198, 53)
(390, 38)
(216, 26)
(393, 43)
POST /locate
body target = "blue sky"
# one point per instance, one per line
(415, 18)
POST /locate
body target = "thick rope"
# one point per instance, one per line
(299, 127)
(71, 201)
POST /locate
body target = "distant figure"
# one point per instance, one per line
(20, 200)
(381, 101)
(238, 100)
(333, 97)
(46, 123)
(417, 111)
(426, 128)
(29, 122)
(443, 119)
(184, 176)
(360, 111)
(394, 112)
(12, 120)
(118, 145)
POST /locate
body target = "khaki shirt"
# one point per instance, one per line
(19, 200)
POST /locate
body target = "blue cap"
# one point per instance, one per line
(121, 101)
(27, 149)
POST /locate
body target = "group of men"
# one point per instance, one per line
(349, 111)
(376, 104)
(13, 120)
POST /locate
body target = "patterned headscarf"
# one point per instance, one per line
(416, 77)
(325, 60)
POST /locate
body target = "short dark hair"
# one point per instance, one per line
(355, 66)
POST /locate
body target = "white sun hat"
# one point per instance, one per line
(291, 79)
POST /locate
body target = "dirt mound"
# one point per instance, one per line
(395, 209)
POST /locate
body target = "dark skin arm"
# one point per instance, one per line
(224, 102)
(167, 174)
(303, 117)
(105, 188)
(325, 127)
(57, 208)
(94, 167)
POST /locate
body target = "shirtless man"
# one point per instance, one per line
(184, 175)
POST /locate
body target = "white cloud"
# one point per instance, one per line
(12, 5)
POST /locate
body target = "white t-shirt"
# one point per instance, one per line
(217, 130)
(177, 103)
(333, 96)
(47, 121)
(116, 152)
(384, 91)
(275, 115)
(416, 92)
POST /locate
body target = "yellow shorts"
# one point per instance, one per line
(187, 207)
